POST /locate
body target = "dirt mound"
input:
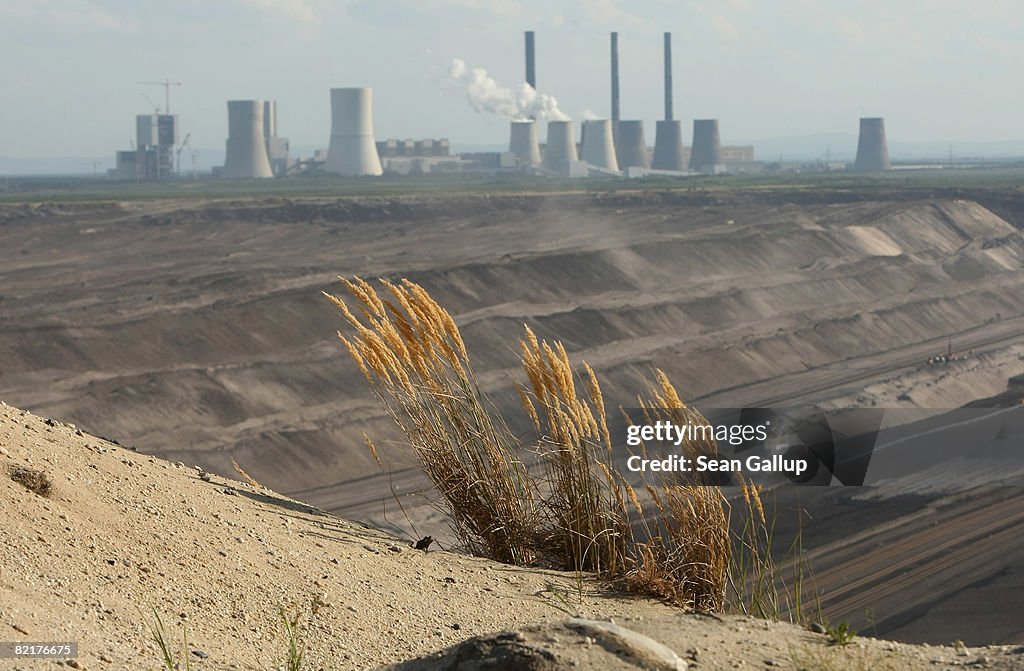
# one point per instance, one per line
(120, 535)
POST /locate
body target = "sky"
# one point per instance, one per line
(937, 70)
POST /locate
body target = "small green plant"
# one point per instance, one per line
(823, 658)
(558, 597)
(296, 647)
(168, 657)
(840, 634)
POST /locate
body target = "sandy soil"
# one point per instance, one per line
(122, 533)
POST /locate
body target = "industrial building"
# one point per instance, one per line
(277, 147)
(152, 158)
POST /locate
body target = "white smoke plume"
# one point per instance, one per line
(486, 96)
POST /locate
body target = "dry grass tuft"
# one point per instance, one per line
(686, 554)
(410, 350)
(32, 479)
(251, 481)
(574, 509)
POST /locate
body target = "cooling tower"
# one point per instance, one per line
(668, 146)
(631, 145)
(598, 144)
(523, 142)
(707, 145)
(872, 149)
(561, 148)
(246, 147)
(352, 150)
(531, 62)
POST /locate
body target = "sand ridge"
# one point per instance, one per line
(123, 532)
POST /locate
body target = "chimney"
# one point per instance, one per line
(615, 79)
(668, 76)
(531, 63)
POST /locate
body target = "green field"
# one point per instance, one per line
(75, 188)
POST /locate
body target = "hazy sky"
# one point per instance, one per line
(943, 70)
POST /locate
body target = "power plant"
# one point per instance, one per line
(612, 147)
(352, 151)
(247, 156)
(668, 133)
(872, 149)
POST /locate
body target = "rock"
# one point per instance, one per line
(205, 477)
(497, 652)
(200, 654)
(817, 628)
(648, 652)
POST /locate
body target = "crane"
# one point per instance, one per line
(181, 147)
(167, 84)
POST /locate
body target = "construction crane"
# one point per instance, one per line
(181, 148)
(167, 84)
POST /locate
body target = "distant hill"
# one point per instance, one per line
(843, 147)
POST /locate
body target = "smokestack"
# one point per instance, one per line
(352, 150)
(598, 144)
(872, 149)
(269, 119)
(707, 146)
(615, 79)
(531, 71)
(668, 135)
(668, 76)
(631, 145)
(523, 142)
(561, 147)
(246, 146)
